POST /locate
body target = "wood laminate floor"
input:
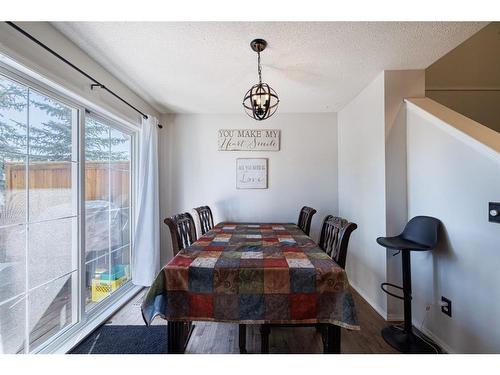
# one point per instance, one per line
(211, 337)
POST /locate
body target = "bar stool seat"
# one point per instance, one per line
(398, 243)
(419, 234)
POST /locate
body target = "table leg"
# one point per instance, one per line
(175, 335)
(332, 342)
(242, 334)
(264, 338)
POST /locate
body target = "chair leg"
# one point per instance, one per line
(242, 335)
(175, 342)
(321, 329)
(331, 344)
(265, 329)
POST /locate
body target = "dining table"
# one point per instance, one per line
(252, 273)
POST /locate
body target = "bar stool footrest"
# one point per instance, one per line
(383, 285)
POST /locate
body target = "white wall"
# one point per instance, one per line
(362, 189)
(398, 84)
(372, 181)
(303, 172)
(450, 178)
(18, 47)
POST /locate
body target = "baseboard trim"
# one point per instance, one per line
(381, 311)
(395, 317)
(399, 318)
(424, 330)
(436, 339)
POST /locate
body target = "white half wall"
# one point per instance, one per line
(449, 177)
(194, 173)
(362, 189)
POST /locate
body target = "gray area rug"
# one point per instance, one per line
(110, 339)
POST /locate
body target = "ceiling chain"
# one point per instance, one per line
(259, 67)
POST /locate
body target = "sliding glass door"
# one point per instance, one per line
(66, 198)
(38, 217)
(107, 206)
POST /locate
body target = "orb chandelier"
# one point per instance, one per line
(261, 101)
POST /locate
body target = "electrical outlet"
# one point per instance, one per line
(494, 212)
(446, 306)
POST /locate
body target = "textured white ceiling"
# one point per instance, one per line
(206, 67)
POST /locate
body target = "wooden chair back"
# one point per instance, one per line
(334, 238)
(182, 231)
(305, 218)
(206, 218)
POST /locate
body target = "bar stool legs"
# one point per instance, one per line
(405, 259)
(402, 338)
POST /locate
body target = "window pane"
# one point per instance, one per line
(120, 232)
(12, 261)
(51, 254)
(120, 180)
(97, 276)
(96, 183)
(97, 150)
(12, 189)
(120, 263)
(50, 133)
(12, 325)
(50, 309)
(97, 231)
(52, 190)
(119, 168)
(125, 215)
(120, 148)
(13, 116)
(97, 145)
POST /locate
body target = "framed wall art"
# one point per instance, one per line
(248, 139)
(251, 173)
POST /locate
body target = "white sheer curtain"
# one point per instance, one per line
(146, 255)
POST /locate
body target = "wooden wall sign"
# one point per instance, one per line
(249, 139)
(251, 173)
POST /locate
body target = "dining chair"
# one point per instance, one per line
(206, 218)
(182, 231)
(334, 238)
(305, 217)
(183, 234)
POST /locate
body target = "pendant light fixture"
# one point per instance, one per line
(261, 101)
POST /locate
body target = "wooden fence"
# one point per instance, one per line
(101, 178)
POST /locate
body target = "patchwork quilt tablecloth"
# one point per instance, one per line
(252, 273)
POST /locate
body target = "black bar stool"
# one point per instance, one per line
(420, 234)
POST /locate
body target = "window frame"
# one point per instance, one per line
(85, 320)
